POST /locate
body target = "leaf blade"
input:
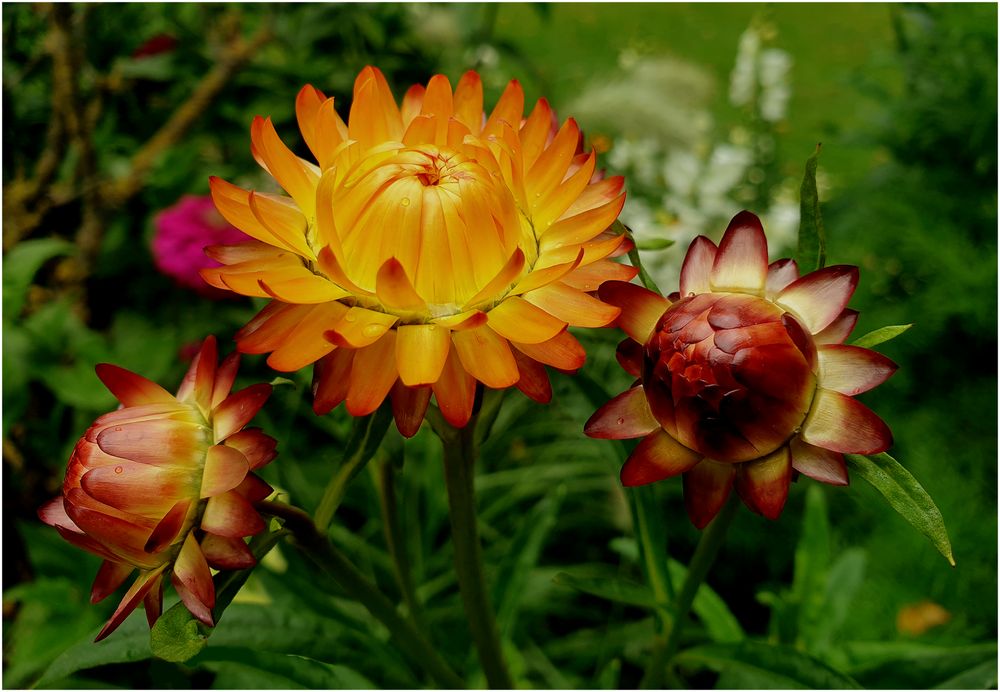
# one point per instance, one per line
(811, 253)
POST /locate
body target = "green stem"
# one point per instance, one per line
(318, 548)
(708, 548)
(459, 459)
(395, 543)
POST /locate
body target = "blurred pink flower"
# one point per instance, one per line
(182, 233)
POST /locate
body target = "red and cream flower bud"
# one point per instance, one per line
(165, 485)
(743, 376)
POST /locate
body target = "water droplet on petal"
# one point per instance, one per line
(119, 469)
(372, 330)
(405, 201)
(351, 317)
(118, 428)
(621, 421)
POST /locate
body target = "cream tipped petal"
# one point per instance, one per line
(158, 442)
(140, 587)
(838, 330)
(230, 514)
(706, 487)
(779, 274)
(624, 417)
(641, 309)
(193, 581)
(819, 464)
(225, 468)
(763, 484)
(656, 457)
(169, 528)
(697, 268)
(222, 552)
(820, 297)
(852, 370)
(741, 261)
(842, 424)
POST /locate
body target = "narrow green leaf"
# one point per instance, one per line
(811, 253)
(128, 644)
(283, 382)
(712, 611)
(765, 666)
(812, 561)
(267, 670)
(654, 244)
(633, 256)
(522, 556)
(881, 335)
(979, 677)
(177, 636)
(20, 266)
(905, 495)
(844, 581)
(617, 590)
(920, 666)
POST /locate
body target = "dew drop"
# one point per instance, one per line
(118, 428)
(119, 469)
(431, 327)
(372, 330)
(405, 201)
(351, 317)
(621, 421)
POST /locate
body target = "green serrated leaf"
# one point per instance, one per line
(20, 266)
(881, 335)
(765, 666)
(905, 495)
(617, 590)
(522, 556)
(654, 244)
(811, 254)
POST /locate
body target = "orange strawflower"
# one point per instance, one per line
(744, 377)
(165, 485)
(432, 248)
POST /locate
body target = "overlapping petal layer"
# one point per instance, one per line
(433, 245)
(165, 485)
(744, 376)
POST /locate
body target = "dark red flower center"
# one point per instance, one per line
(729, 375)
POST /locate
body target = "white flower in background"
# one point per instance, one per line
(774, 67)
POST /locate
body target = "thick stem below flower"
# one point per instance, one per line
(459, 460)
(665, 646)
(317, 548)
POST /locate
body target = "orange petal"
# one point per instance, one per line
(372, 375)
(409, 405)
(817, 299)
(583, 227)
(331, 377)
(421, 352)
(140, 587)
(486, 356)
(157, 442)
(656, 457)
(469, 101)
(819, 464)
(536, 131)
(591, 277)
(169, 528)
(543, 276)
(455, 391)
(199, 381)
(500, 283)
(641, 309)
(374, 117)
(109, 577)
(394, 289)
(438, 102)
(230, 514)
(132, 389)
(282, 219)
(508, 110)
(518, 320)
(706, 487)
(331, 134)
(254, 445)
(842, 424)
(266, 331)
(624, 417)
(237, 410)
(413, 101)
(575, 307)
(306, 344)
(741, 262)
(534, 381)
(697, 268)
(234, 205)
(286, 167)
(225, 468)
(224, 377)
(192, 579)
(563, 352)
(360, 327)
(470, 319)
(139, 488)
(763, 483)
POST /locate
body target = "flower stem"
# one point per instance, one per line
(395, 543)
(318, 548)
(459, 459)
(665, 646)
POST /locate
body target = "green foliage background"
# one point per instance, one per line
(904, 100)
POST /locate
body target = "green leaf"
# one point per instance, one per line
(905, 495)
(522, 556)
(812, 561)
(633, 256)
(653, 244)
(719, 621)
(128, 644)
(911, 665)
(879, 336)
(177, 636)
(20, 266)
(979, 677)
(617, 590)
(843, 583)
(764, 666)
(283, 382)
(811, 254)
(252, 669)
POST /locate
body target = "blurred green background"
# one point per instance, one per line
(706, 109)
